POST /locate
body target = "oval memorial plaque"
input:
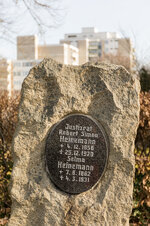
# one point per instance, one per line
(76, 153)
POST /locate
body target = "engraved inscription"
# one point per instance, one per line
(76, 153)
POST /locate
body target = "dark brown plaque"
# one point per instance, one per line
(76, 153)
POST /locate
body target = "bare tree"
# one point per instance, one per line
(38, 15)
(117, 59)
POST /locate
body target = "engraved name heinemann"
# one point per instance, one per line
(66, 165)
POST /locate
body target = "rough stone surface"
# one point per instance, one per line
(51, 91)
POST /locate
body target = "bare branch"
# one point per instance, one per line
(41, 14)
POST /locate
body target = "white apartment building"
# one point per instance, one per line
(6, 76)
(94, 45)
(63, 53)
(27, 57)
(21, 69)
(74, 49)
(29, 53)
(27, 47)
(91, 33)
(97, 42)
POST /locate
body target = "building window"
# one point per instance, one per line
(25, 73)
(72, 36)
(93, 43)
(99, 53)
(92, 50)
(17, 73)
(99, 46)
(27, 64)
(17, 64)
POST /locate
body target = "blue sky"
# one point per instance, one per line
(129, 17)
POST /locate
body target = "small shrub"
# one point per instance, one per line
(141, 195)
(145, 79)
(8, 120)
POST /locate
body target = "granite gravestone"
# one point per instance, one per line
(73, 146)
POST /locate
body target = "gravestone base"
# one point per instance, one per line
(110, 96)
